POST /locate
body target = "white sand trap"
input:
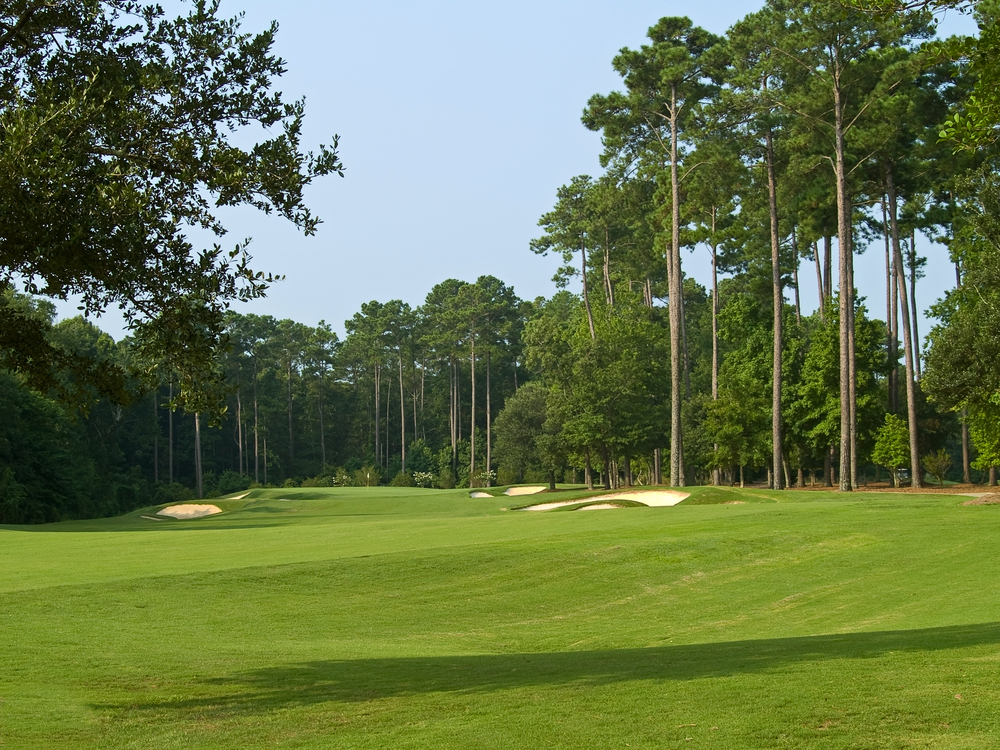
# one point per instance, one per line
(652, 498)
(238, 497)
(189, 511)
(550, 506)
(480, 494)
(152, 518)
(524, 490)
(600, 506)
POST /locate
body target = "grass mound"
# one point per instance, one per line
(723, 496)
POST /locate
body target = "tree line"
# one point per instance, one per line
(808, 133)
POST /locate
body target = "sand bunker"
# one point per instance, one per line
(480, 494)
(550, 506)
(653, 498)
(524, 490)
(600, 506)
(189, 511)
(984, 500)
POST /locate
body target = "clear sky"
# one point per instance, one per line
(458, 122)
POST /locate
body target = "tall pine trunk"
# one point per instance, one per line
(197, 456)
(489, 441)
(156, 435)
(402, 418)
(322, 431)
(844, 230)
(911, 402)
(795, 278)
(586, 299)
(170, 433)
(828, 271)
(256, 426)
(778, 303)
(472, 427)
(819, 283)
(291, 435)
(716, 472)
(913, 302)
(377, 371)
(676, 306)
(239, 426)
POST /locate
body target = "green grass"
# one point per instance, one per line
(400, 618)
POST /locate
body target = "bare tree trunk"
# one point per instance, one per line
(657, 466)
(890, 310)
(609, 289)
(993, 476)
(402, 417)
(819, 283)
(265, 458)
(588, 471)
(715, 335)
(828, 467)
(853, 387)
(388, 403)
(844, 231)
(170, 433)
(377, 371)
(586, 298)
(628, 471)
(966, 473)
(778, 300)
(156, 434)
(913, 302)
(452, 416)
(911, 402)
(489, 440)
(828, 266)
(239, 426)
(322, 432)
(197, 456)
(291, 437)
(676, 307)
(256, 423)
(687, 359)
(472, 427)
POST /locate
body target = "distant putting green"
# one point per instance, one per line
(401, 618)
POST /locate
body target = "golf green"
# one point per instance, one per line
(401, 618)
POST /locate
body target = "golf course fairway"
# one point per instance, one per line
(406, 618)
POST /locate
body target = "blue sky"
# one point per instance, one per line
(458, 122)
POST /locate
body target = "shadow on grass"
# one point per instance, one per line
(372, 679)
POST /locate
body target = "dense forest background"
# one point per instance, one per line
(810, 133)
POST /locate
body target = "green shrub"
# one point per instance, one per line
(402, 480)
(446, 480)
(892, 446)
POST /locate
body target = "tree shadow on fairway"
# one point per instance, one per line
(362, 680)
